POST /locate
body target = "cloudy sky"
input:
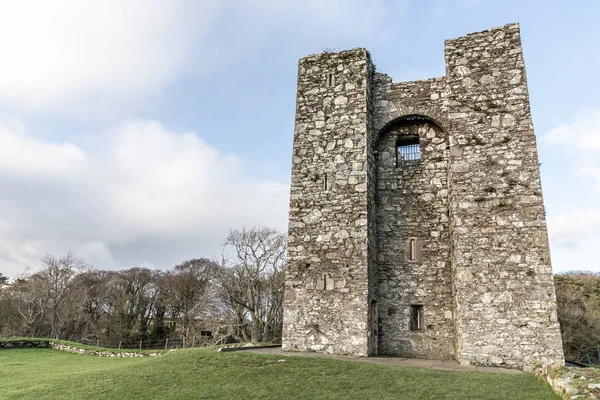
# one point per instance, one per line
(139, 132)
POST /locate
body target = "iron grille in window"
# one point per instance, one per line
(408, 151)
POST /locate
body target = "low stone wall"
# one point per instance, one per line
(248, 346)
(571, 382)
(100, 353)
(21, 344)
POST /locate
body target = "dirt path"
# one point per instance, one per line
(445, 365)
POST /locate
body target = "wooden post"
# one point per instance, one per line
(98, 343)
(140, 344)
(119, 345)
(167, 343)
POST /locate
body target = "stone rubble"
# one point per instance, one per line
(100, 353)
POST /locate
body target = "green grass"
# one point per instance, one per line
(207, 374)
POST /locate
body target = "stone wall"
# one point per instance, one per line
(484, 277)
(327, 285)
(412, 201)
(39, 344)
(102, 353)
(22, 344)
(506, 305)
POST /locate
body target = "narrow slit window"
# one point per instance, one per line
(330, 80)
(411, 249)
(408, 151)
(325, 181)
(416, 317)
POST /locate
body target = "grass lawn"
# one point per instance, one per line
(207, 374)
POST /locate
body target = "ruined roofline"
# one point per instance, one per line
(382, 75)
(417, 81)
(512, 25)
(336, 53)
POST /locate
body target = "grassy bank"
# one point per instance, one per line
(207, 374)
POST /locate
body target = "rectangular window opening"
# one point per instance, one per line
(325, 181)
(330, 80)
(416, 317)
(412, 251)
(321, 283)
(408, 151)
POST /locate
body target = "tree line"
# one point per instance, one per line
(578, 302)
(200, 301)
(239, 297)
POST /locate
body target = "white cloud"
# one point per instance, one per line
(569, 229)
(90, 58)
(579, 140)
(575, 233)
(57, 53)
(138, 193)
(164, 195)
(95, 252)
(23, 157)
(574, 238)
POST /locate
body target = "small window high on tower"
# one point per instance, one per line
(330, 79)
(408, 151)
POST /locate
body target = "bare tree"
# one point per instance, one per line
(95, 293)
(243, 297)
(189, 292)
(578, 306)
(28, 297)
(61, 275)
(253, 280)
(134, 302)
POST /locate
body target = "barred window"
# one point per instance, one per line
(408, 151)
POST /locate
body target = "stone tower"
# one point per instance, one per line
(417, 225)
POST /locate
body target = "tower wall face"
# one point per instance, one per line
(505, 300)
(327, 285)
(412, 201)
(484, 279)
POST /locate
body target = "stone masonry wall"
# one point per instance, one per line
(412, 201)
(506, 305)
(326, 299)
(484, 279)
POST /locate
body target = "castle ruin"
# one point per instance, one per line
(417, 225)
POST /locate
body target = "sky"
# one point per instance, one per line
(139, 132)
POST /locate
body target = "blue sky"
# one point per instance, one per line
(140, 132)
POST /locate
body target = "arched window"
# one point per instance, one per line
(408, 151)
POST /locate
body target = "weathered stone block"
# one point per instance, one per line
(423, 196)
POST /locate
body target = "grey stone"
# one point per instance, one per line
(481, 244)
